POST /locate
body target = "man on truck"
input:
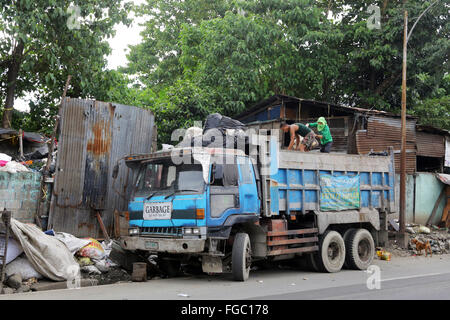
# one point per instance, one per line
(326, 141)
(296, 130)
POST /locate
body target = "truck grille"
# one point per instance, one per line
(161, 231)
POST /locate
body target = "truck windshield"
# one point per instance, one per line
(167, 177)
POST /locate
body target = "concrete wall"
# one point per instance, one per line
(19, 193)
(419, 208)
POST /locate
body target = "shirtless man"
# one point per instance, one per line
(296, 130)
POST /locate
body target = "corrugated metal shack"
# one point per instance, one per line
(94, 137)
(354, 130)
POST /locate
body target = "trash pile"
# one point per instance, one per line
(8, 165)
(218, 132)
(438, 239)
(34, 256)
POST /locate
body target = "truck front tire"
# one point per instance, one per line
(360, 249)
(331, 255)
(241, 257)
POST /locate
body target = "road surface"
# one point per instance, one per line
(401, 278)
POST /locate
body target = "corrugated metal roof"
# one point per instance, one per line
(279, 97)
(94, 137)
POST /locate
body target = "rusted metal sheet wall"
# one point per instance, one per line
(94, 137)
(384, 132)
(430, 145)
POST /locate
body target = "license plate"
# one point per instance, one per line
(157, 210)
(151, 245)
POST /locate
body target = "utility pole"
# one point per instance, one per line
(402, 237)
(402, 234)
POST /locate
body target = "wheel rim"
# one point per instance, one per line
(248, 256)
(333, 252)
(364, 250)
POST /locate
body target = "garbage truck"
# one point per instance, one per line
(227, 208)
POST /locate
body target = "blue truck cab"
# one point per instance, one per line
(225, 209)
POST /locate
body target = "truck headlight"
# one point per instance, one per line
(195, 230)
(133, 231)
(188, 231)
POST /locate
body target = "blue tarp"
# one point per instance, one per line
(339, 192)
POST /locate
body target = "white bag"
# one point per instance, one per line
(73, 243)
(23, 267)
(49, 256)
(14, 249)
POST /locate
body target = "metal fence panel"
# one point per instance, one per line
(94, 137)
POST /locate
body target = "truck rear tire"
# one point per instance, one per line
(360, 249)
(331, 255)
(241, 257)
(345, 237)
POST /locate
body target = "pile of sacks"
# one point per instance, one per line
(33, 255)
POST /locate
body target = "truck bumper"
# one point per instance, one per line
(163, 244)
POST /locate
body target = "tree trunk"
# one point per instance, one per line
(13, 73)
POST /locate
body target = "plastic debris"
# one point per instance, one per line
(183, 295)
(93, 250)
(90, 269)
(423, 229)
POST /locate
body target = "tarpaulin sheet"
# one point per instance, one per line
(339, 192)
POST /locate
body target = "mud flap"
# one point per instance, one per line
(212, 264)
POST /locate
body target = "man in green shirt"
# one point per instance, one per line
(296, 130)
(326, 141)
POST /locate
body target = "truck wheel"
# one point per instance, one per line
(241, 257)
(360, 249)
(331, 256)
(345, 237)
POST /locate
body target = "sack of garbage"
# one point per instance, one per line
(73, 243)
(217, 121)
(22, 266)
(14, 249)
(93, 250)
(49, 256)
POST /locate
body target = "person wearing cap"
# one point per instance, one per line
(296, 130)
(326, 141)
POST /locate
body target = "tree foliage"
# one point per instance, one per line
(236, 53)
(43, 41)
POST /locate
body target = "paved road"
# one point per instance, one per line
(401, 278)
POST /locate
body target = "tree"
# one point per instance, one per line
(371, 76)
(43, 41)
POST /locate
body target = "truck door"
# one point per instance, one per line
(224, 196)
(247, 187)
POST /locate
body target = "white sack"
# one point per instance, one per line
(49, 256)
(23, 267)
(73, 243)
(14, 249)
